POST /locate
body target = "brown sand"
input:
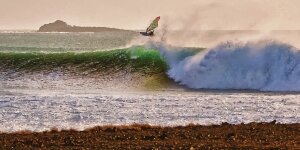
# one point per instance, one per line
(244, 136)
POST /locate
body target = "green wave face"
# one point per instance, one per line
(136, 59)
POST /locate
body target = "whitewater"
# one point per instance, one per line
(76, 82)
(263, 66)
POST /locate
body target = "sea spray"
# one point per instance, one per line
(263, 65)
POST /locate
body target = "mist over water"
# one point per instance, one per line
(264, 60)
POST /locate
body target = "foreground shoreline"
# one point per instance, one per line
(225, 136)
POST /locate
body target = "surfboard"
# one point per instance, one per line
(146, 34)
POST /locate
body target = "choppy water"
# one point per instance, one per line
(42, 109)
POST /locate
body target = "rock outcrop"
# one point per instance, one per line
(61, 26)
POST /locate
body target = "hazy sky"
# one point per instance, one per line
(136, 14)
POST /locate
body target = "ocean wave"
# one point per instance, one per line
(134, 59)
(263, 65)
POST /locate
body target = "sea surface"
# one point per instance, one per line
(80, 80)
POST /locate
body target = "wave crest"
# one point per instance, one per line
(264, 65)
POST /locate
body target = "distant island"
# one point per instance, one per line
(61, 26)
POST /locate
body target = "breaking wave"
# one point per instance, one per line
(264, 66)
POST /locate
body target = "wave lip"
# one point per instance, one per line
(264, 66)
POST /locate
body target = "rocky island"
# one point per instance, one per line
(61, 26)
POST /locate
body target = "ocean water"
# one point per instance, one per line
(79, 80)
(58, 42)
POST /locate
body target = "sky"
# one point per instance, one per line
(137, 14)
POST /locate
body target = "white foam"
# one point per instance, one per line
(263, 65)
(40, 110)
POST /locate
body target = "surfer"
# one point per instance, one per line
(152, 26)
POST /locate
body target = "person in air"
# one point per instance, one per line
(153, 25)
